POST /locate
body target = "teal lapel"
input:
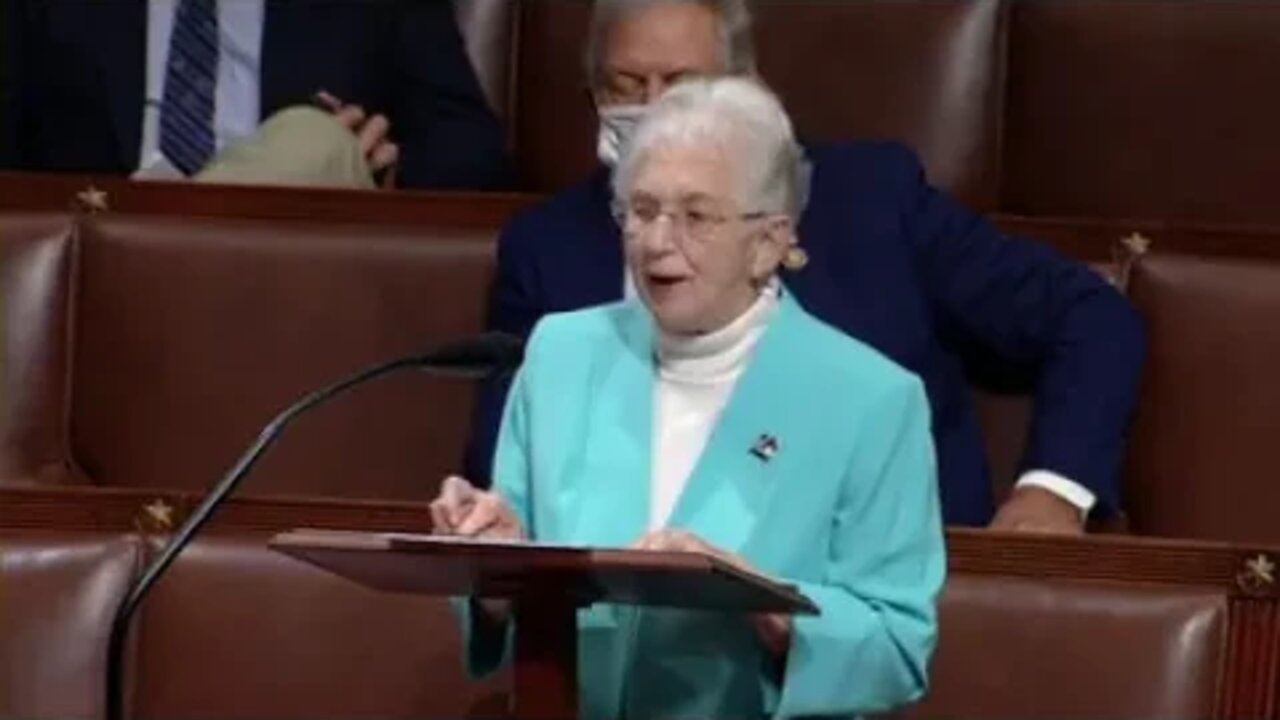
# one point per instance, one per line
(612, 505)
(731, 487)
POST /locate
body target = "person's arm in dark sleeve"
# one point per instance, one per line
(448, 136)
(1029, 306)
(513, 308)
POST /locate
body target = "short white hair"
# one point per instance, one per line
(736, 42)
(746, 120)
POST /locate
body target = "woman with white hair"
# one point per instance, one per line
(711, 413)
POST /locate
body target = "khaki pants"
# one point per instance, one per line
(298, 146)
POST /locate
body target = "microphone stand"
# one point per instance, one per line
(266, 438)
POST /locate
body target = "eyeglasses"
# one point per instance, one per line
(694, 223)
(626, 88)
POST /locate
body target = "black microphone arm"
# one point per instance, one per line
(476, 357)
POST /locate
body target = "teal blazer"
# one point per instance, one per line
(847, 508)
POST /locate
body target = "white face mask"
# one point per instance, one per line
(617, 125)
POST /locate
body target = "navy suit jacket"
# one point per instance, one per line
(75, 80)
(905, 269)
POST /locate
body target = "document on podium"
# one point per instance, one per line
(411, 539)
(447, 565)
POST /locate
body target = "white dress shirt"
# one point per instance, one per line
(696, 375)
(693, 406)
(237, 100)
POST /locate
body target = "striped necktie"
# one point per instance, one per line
(190, 81)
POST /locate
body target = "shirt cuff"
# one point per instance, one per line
(1069, 490)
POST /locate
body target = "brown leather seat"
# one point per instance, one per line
(1118, 109)
(1099, 108)
(238, 631)
(1005, 421)
(1201, 460)
(1009, 647)
(1027, 648)
(925, 73)
(554, 126)
(1144, 109)
(58, 593)
(197, 330)
(35, 277)
(191, 334)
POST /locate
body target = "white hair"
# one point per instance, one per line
(736, 43)
(743, 118)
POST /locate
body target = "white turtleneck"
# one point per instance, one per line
(696, 375)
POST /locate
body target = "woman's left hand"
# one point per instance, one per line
(774, 628)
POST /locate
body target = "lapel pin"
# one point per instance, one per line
(765, 448)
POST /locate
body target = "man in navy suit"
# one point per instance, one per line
(86, 83)
(887, 259)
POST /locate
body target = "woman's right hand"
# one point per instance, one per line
(464, 511)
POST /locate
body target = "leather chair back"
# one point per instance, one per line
(241, 632)
(1144, 109)
(1024, 648)
(58, 593)
(1201, 460)
(35, 278)
(192, 333)
(296, 642)
(926, 73)
(238, 631)
(554, 125)
(1005, 421)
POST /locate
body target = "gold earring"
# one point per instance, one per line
(795, 259)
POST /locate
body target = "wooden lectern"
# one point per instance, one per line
(548, 585)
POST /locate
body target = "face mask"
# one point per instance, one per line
(617, 125)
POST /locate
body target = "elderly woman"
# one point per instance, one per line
(714, 414)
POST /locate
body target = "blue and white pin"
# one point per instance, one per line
(765, 448)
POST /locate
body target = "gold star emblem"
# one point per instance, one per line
(1136, 243)
(1258, 576)
(160, 513)
(1124, 254)
(93, 200)
(1262, 567)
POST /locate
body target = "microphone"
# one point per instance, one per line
(475, 357)
(471, 358)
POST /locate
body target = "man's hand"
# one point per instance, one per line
(1034, 509)
(774, 629)
(371, 132)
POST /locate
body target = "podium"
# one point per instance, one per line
(547, 585)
